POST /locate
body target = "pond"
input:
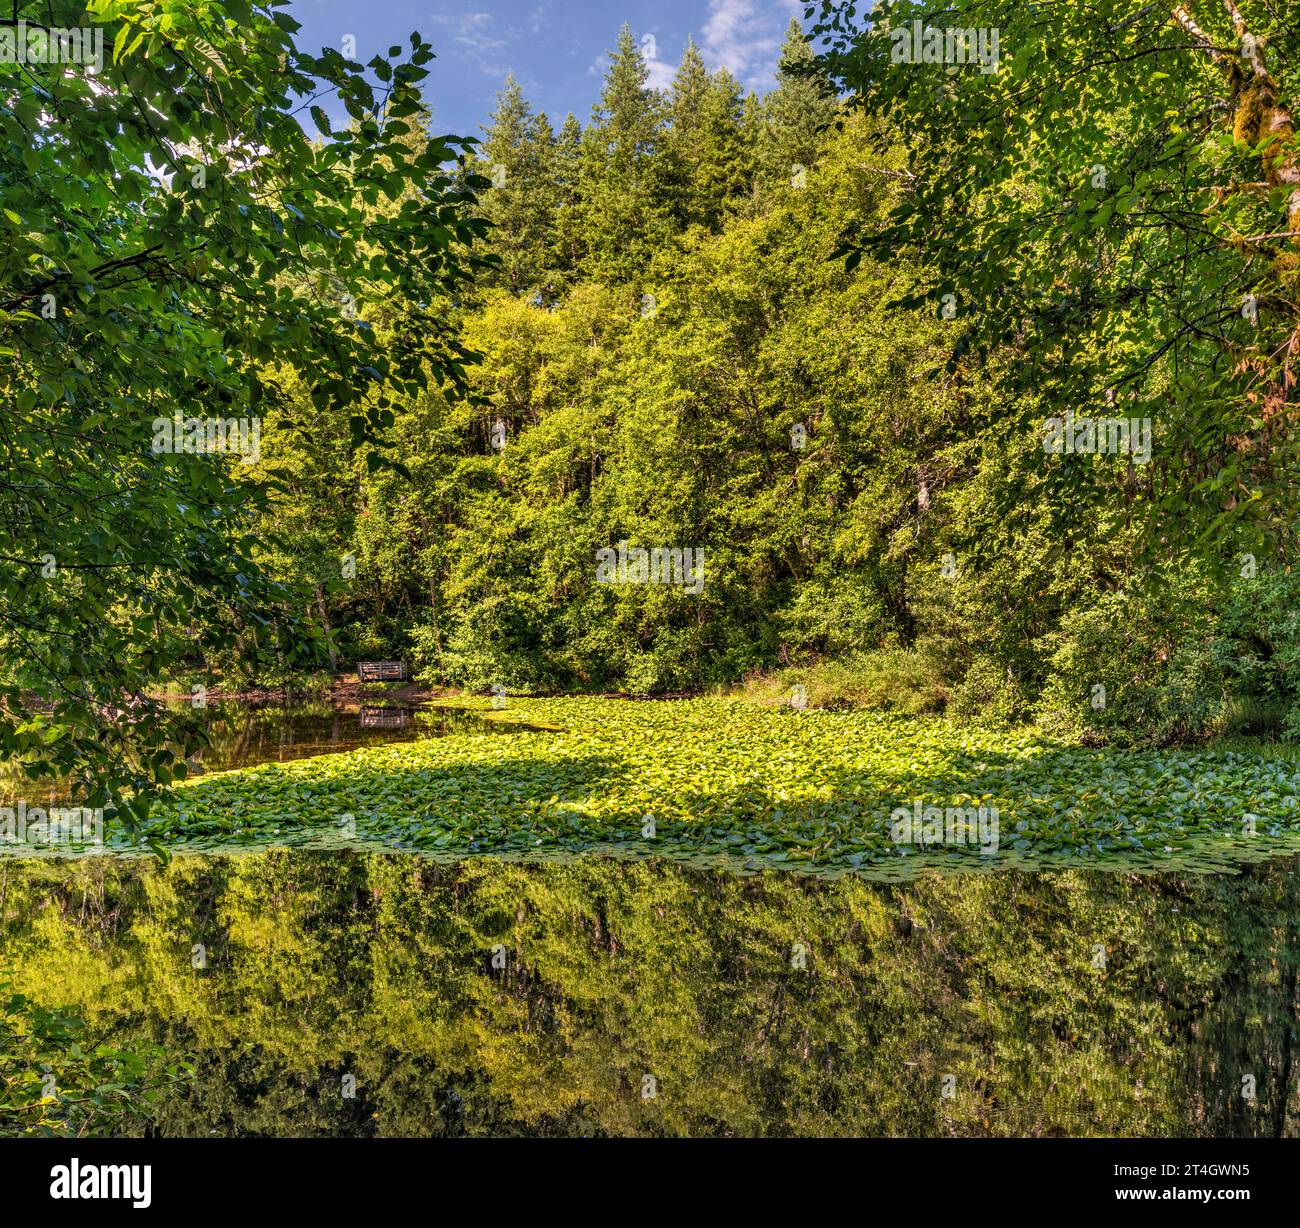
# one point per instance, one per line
(243, 734)
(714, 783)
(503, 940)
(357, 994)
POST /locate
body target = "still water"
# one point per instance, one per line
(243, 735)
(611, 998)
(358, 993)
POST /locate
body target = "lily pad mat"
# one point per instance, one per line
(731, 783)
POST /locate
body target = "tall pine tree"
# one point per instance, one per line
(624, 211)
(518, 156)
(703, 161)
(796, 112)
(568, 246)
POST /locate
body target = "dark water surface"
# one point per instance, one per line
(599, 996)
(246, 734)
(603, 997)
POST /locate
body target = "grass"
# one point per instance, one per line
(1264, 747)
(889, 679)
(747, 786)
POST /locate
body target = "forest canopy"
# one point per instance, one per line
(936, 388)
(720, 323)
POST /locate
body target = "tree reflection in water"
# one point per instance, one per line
(1059, 1003)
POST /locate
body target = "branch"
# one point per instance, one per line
(1249, 48)
(1199, 36)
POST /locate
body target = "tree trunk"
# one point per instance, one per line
(325, 623)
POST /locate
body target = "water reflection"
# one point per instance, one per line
(246, 734)
(486, 997)
(385, 718)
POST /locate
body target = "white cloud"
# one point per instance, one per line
(660, 72)
(745, 36)
(476, 36)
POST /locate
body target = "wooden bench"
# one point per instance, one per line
(381, 671)
(384, 718)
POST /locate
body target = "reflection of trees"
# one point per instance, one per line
(242, 735)
(247, 734)
(381, 967)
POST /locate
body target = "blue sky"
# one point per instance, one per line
(556, 48)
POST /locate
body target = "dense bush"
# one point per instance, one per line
(1136, 666)
(1257, 646)
(890, 679)
(988, 695)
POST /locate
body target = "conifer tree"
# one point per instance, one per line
(567, 243)
(796, 112)
(517, 157)
(624, 217)
(703, 159)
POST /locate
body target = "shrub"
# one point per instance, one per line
(897, 679)
(988, 695)
(1135, 669)
(1257, 646)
